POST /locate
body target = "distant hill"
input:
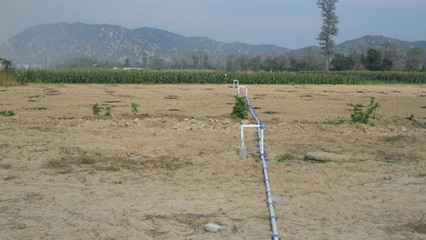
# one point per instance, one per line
(364, 43)
(59, 41)
(114, 43)
(376, 42)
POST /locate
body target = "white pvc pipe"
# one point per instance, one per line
(235, 83)
(242, 131)
(272, 217)
(239, 87)
(260, 134)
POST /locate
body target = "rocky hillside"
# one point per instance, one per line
(114, 43)
(59, 41)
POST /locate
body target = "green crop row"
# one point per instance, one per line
(169, 77)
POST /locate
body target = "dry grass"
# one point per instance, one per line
(8, 80)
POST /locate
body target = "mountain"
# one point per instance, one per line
(363, 44)
(114, 43)
(60, 41)
(377, 42)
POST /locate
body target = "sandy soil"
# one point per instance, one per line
(171, 168)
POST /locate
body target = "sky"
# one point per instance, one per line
(286, 23)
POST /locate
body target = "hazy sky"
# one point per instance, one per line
(286, 23)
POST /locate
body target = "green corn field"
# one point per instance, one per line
(176, 77)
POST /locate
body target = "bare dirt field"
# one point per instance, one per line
(166, 171)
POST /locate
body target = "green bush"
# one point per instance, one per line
(363, 117)
(108, 111)
(240, 109)
(135, 108)
(7, 113)
(96, 109)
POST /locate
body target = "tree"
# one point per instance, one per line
(341, 63)
(373, 60)
(127, 62)
(328, 29)
(230, 63)
(157, 64)
(6, 63)
(274, 64)
(412, 61)
(390, 56)
(311, 60)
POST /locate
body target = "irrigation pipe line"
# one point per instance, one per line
(260, 139)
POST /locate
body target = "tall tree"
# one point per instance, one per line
(373, 60)
(413, 59)
(390, 55)
(328, 29)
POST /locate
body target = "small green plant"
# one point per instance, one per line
(97, 109)
(240, 109)
(108, 111)
(363, 117)
(135, 108)
(7, 113)
(125, 115)
(285, 157)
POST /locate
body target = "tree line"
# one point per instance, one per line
(388, 58)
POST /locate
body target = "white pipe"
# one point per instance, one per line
(260, 128)
(272, 217)
(235, 83)
(242, 131)
(239, 87)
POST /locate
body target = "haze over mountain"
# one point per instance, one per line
(59, 41)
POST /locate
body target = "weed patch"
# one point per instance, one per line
(7, 113)
(285, 157)
(8, 80)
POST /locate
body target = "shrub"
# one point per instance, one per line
(135, 108)
(7, 113)
(97, 109)
(7, 79)
(108, 111)
(363, 117)
(240, 109)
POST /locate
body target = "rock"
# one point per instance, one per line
(211, 227)
(327, 157)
